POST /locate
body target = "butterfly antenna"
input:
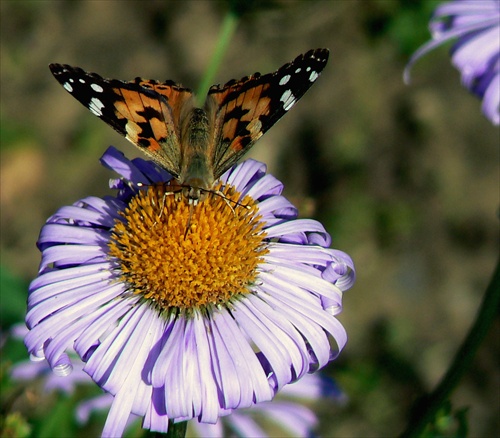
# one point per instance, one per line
(228, 201)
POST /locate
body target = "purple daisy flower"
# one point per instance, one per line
(476, 24)
(184, 311)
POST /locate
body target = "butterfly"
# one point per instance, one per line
(195, 145)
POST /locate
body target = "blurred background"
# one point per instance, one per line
(405, 178)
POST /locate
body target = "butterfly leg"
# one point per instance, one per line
(176, 193)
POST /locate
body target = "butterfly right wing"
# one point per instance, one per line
(245, 110)
(146, 112)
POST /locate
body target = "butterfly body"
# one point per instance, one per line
(195, 145)
(196, 174)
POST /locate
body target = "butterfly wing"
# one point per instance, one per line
(246, 109)
(146, 112)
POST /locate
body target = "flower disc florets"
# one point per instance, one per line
(179, 255)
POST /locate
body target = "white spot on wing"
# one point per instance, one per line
(68, 87)
(81, 80)
(288, 100)
(284, 80)
(96, 88)
(298, 70)
(95, 106)
(308, 69)
(313, 76)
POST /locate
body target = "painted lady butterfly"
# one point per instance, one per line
(195, 145)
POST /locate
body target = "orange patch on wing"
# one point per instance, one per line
(236, 145)
(154, 146)
(134, 103)
(230, 106)
(151, 102)
(255, 104)
(134, 132)
(128, 108)
(159, 128)
(240, 99)
(262, 107)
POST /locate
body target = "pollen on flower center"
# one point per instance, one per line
(178, 255)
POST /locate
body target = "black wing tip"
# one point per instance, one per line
(321, 51)
(57, 68)
(321, 55)
(318, 54)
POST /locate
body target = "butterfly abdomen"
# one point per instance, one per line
(195, 132)
(196, 164)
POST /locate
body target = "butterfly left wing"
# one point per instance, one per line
(145, 112)
(246, 109)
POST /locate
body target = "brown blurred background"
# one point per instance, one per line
(405, 178)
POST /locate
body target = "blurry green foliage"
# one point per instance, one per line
(13, 294)
(15, 426)
(402, 21)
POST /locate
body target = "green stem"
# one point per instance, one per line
(426, 408)
(225, 35)
(175, 430)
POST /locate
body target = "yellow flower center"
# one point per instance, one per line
(185, 256)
